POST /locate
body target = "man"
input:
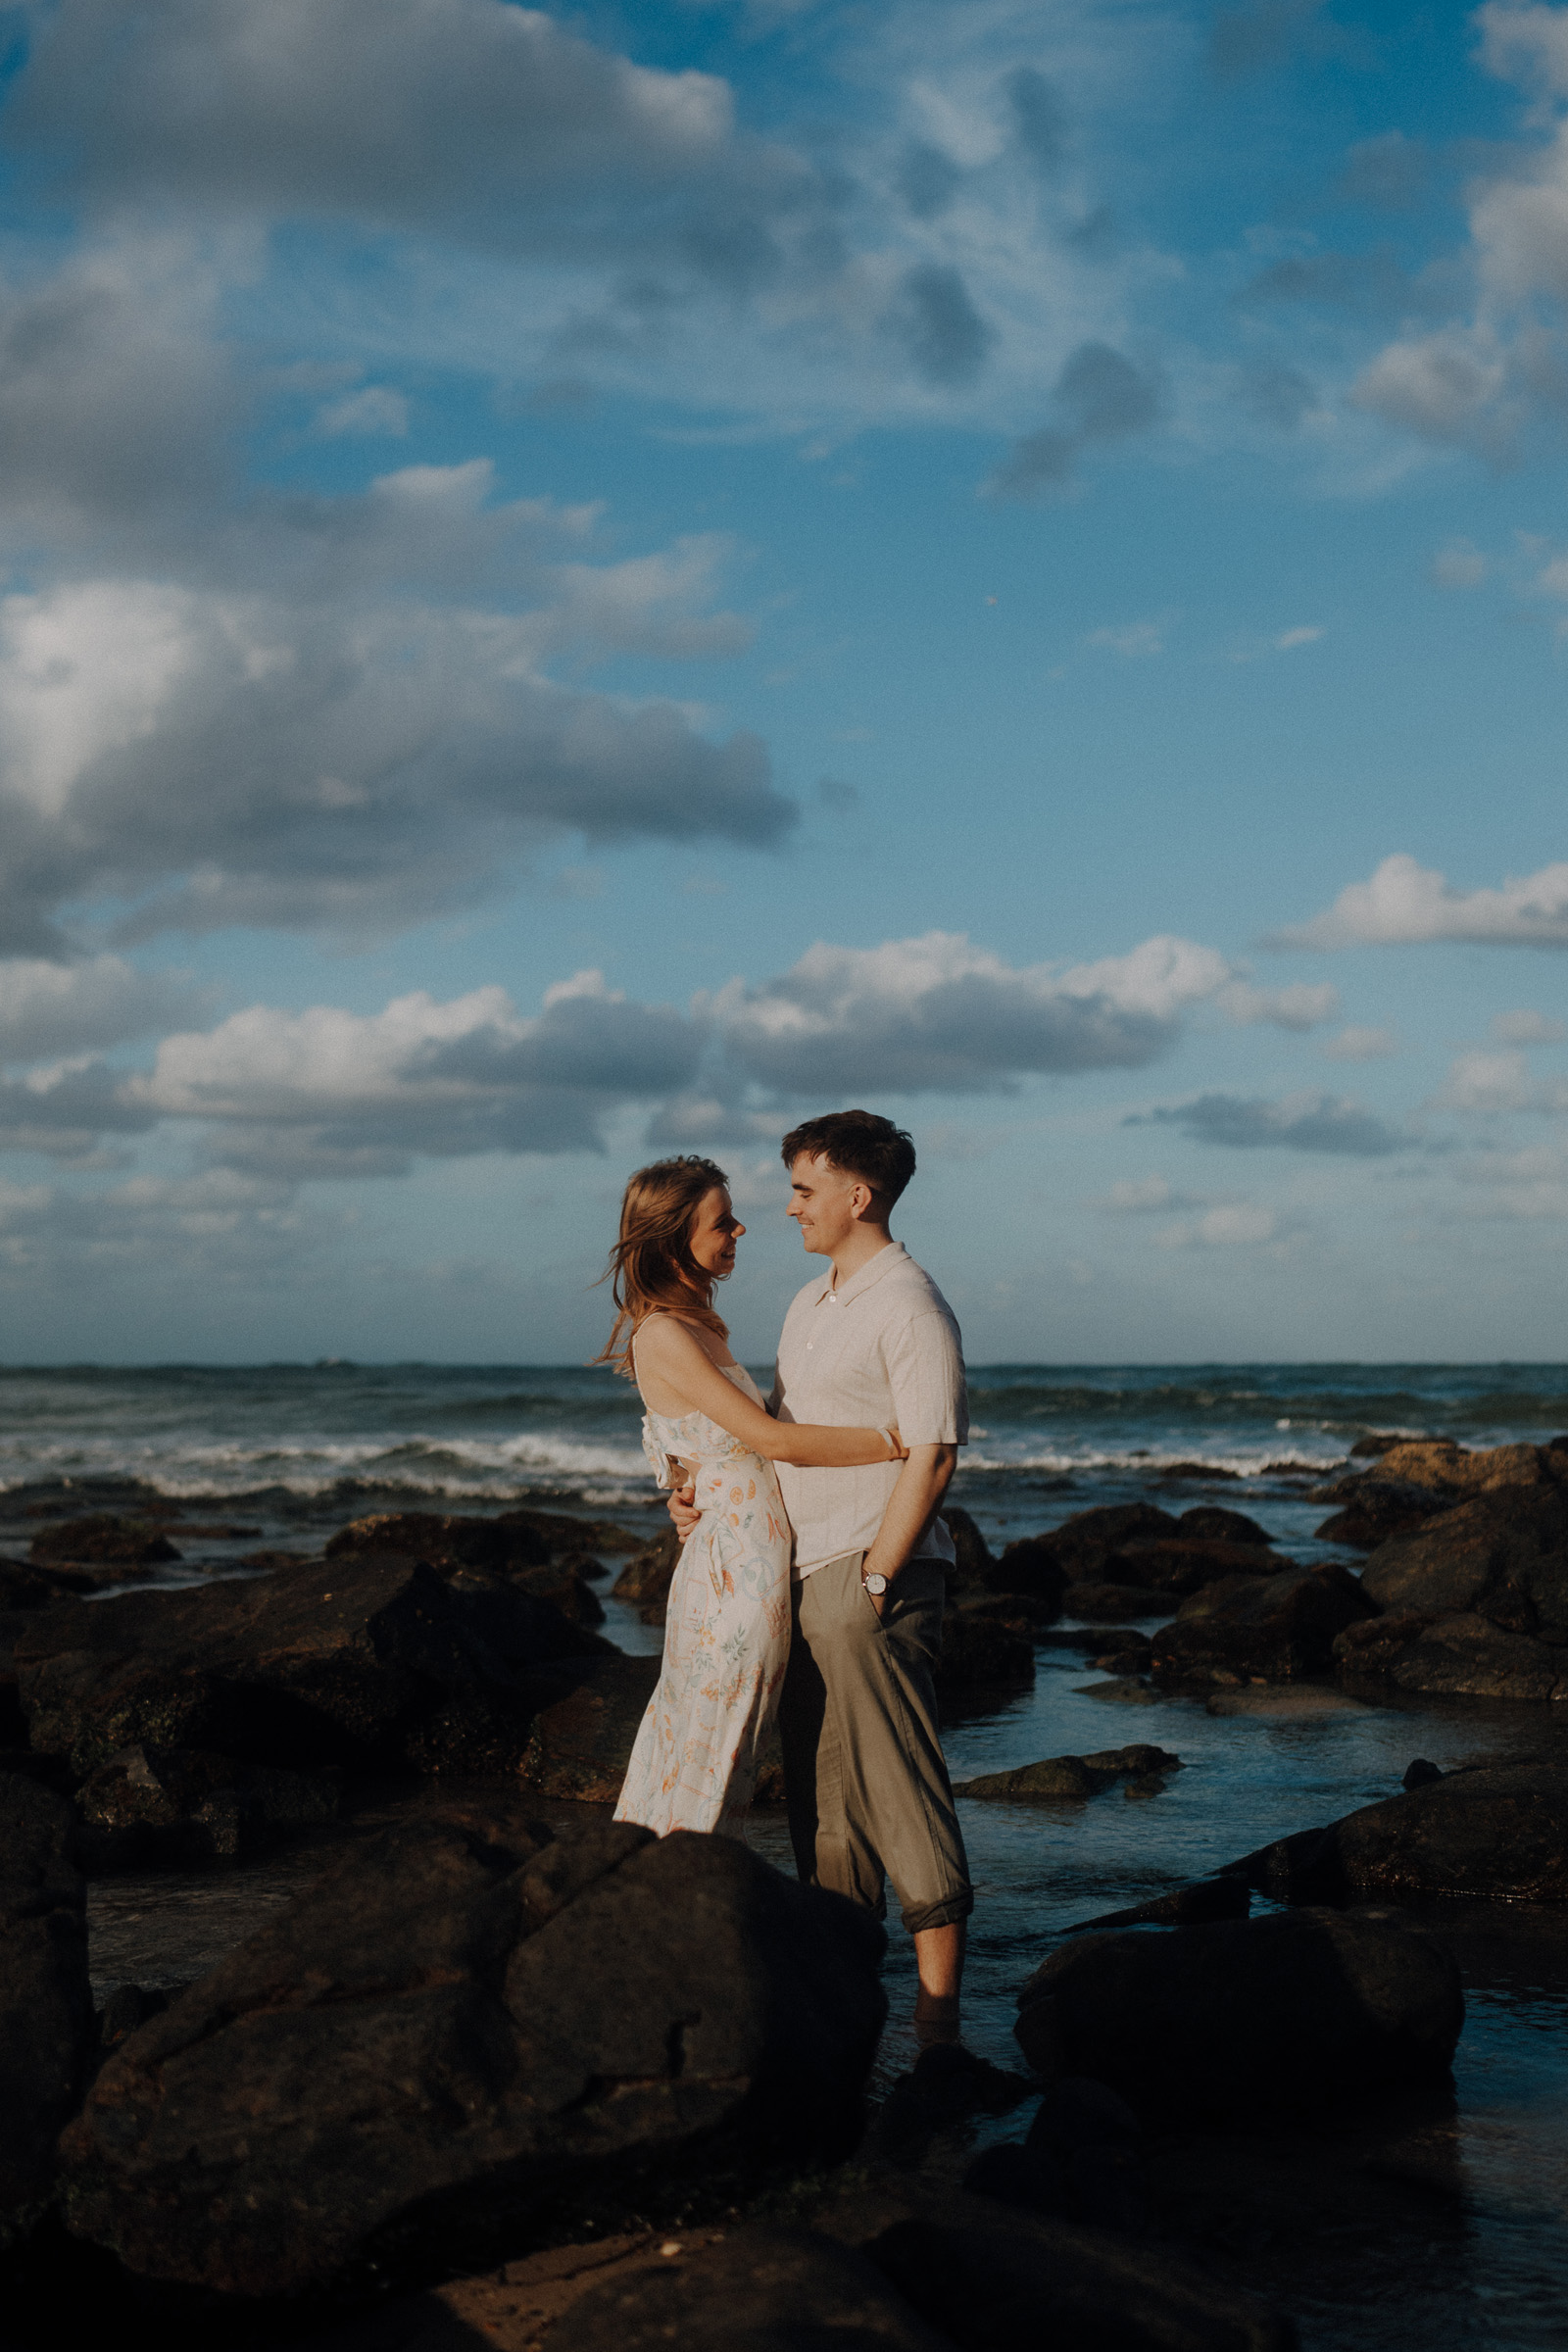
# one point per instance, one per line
(873, 1341)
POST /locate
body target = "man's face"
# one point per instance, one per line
(823, 1202)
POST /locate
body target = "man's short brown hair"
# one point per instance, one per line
(858, 1143)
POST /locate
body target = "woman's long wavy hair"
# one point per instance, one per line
(652, 1264)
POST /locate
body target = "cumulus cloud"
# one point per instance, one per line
(1361, 1044)
(1302, 1006)
(1483, 1081)
(325, 750)
(1101, 396)
(1299, 1122)
(1405, 904)
(52, 1010)
(1459, 564)
(1525, 1186)
(938, 1012)
(329, 1092)
(1527, 1028)
(1234, 1224)
(1139, 1196)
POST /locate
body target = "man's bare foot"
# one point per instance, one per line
(936, 2019)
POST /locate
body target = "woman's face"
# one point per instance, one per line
(714, 1231)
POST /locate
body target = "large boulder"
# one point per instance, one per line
(445, 1541)
(468, 2027)
(1498, 1830)
(1504, 1536)
(984, 1645)
(646, 1579)
(23, 1586)
(1375, 1508)
(183, 1805)
(1184, 1564)
(1295, 2011)
(561, 1533)
(343, 1661)
(762, 2290)
(581, 1738)
(1458, 1657)
(1272, 1629)
(106, 1539)
(46, 2017)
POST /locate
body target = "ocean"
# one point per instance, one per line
(283, 1453)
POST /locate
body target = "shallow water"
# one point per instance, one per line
(1451, 2222)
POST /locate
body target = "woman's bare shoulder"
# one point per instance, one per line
(666, 1338)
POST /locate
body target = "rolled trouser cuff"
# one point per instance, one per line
(951, 1912)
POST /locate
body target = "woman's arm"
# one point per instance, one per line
(679, 1362)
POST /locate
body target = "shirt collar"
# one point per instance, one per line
(892, 1253)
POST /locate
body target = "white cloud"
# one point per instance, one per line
(1484, 1082)
(1525, 1186)
(1238, 1224)
(1134, 640)
(375, 411)
(1459, 564)
(1288, 639)
(1361, 1044)
(937, 1012)
(49, 1010)
(1302, 1006)
(327, 751)
(1526, 1028)
(1405, 904)
(1138, 1195)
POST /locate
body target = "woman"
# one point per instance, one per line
(727, 1622)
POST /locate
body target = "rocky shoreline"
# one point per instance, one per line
(503, 2070)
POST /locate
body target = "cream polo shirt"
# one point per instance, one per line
(882, 1350)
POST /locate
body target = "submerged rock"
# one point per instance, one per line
(646, 1579)
(1258, 1628)
(46, 2014)
(1297, 2011)
(1498, 1830)
(1183, 1907)
(471, 2022)
(1072, 1776)
(185, 1805)
(760, 2288)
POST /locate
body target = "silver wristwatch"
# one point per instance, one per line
(876, 1586)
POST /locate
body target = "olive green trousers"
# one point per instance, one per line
(869, 1797)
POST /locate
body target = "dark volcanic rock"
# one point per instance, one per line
(104, 1538)
(581, 1738)
(989, 2280)
(336, 1662)
(189, 1805)
(1072, 1776)
(1186, 1564)
(1184, 1907)
(760, 2289)
(1295, 2011)
(465, 2024)
(1497, 1831)
(1114, 1601)
(24, 1586)
(566, 1586)
(1458, 1657)
(973, 1569)
(979, 1649)
(46, 2016)
(1506, 1536)
(1378, 1508)
(1033, 1568)
(646, 1579)
(1258, 1628)
(564, 1534)
(445, 1542)
(1212, 1523)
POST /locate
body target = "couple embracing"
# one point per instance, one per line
(811, 1581)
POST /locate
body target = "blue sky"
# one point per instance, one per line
(589, 583)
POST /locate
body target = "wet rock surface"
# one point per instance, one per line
(1072, 1776)
(104, 1538)
(46, 2014)
(347, 1661)
(1287, 2013)
(1494, 1830)
(470, 2021)
(1271, 1629)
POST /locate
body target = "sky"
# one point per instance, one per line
(582, 584)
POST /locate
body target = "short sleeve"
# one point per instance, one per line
(925, 1372)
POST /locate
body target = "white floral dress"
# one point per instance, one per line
(726, 1634)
